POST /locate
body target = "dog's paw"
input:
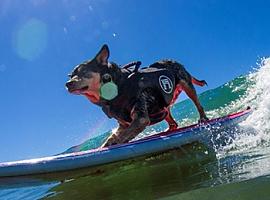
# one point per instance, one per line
(202, 120)
(173, 127)
(112, 140)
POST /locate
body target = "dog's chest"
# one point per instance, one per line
(119, 109)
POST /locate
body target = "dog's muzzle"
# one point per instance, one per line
(72, 87)
(69, 84)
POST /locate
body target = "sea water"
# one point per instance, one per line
(238, 170)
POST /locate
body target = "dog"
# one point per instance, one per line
(135, 97)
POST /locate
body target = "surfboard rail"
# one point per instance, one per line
(152, 144)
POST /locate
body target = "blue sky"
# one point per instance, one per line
(41, 41)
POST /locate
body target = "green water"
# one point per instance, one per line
(239, 170)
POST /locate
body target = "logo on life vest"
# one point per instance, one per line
(165, 84)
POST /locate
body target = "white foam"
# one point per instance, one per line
(260, 96)
(256, 128)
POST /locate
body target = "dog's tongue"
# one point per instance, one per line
(78, 92)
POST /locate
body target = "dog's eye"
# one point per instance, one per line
(88, 75)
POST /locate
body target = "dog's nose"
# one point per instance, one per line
(70, 84)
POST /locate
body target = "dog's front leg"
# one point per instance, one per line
(113, 138)
(139, 122)
(125, 134)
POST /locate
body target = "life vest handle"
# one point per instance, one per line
(137, 65)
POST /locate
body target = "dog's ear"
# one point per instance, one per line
(103, 55)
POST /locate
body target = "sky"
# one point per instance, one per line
(42, 40)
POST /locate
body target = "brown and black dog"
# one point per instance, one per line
(135, 98)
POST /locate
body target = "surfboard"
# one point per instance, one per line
(158, 143)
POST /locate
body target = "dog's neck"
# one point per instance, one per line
(119, 76)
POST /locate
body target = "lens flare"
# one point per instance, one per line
(31, 39)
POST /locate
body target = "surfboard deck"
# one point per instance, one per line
(146, 146)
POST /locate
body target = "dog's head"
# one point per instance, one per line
(85, 79)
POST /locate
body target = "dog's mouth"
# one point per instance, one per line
(79, 91)
(86, 92)
(84, 88)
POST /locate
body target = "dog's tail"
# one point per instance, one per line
(198, 82)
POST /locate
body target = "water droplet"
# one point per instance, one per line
(65, 30)
(90, 8)
(72, 18)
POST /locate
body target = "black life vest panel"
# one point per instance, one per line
(161, 82)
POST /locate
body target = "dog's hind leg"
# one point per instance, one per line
(171, 122)
(169, 119)
(191, 92)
